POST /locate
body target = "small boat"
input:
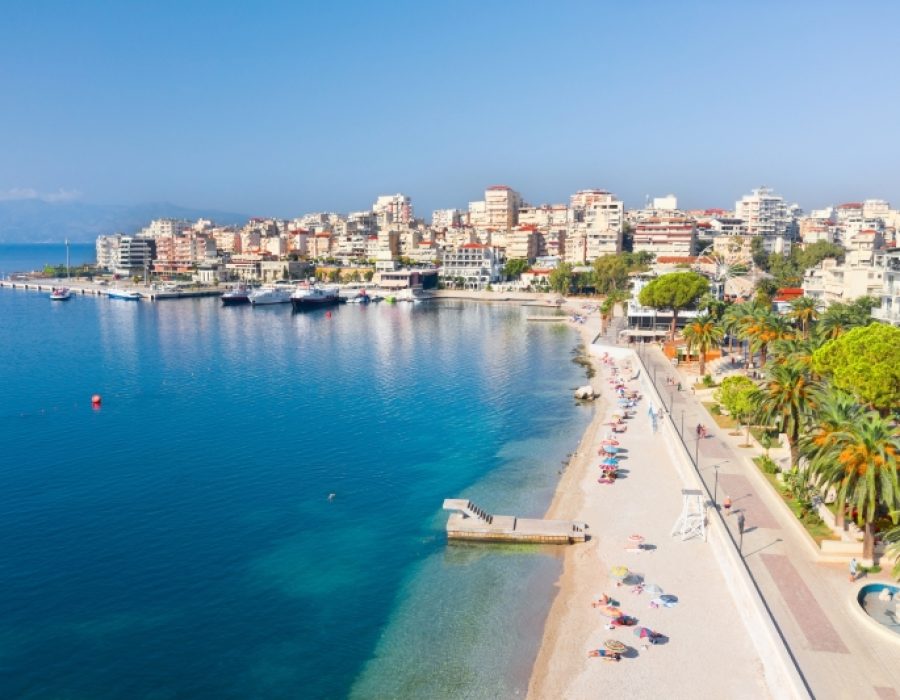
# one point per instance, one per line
(361, 298)
(314, 297)
(123, 294)
(236, 296)
(60, 294)
(278, 293)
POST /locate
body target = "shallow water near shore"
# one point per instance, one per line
(180, 540)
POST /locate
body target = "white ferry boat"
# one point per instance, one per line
(278, 293)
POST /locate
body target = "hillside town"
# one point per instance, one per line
(504, 241)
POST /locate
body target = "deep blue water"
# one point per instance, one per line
(30, 257)
(179, 541)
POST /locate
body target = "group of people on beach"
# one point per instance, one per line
(609, 449)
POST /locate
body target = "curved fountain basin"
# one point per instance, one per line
(885, 613)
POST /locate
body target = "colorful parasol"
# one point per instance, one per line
(614, 645)
(619, 572)
(610, 611)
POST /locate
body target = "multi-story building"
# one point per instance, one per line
(498, 211)
(125, 255)
(669, 203)
(393, 209)
(474, 264)
(522, 243)
(665, 235)
(442, 219)
(596, 225)
(831, 281)
(165, 227)
(178, 255)
(888, 262)
(766, 214)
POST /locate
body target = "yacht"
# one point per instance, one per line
(238, 295)
(123, 294)
(315, 296)
(278, 293)
(60, 294)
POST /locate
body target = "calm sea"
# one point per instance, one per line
(30, 257)
(179, 542)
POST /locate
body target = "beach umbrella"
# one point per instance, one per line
(610, 449)
(611, 461)
(653, 589)
(610, 611)
(642, 632)
(619, 572)
(610, 441)
(614, 645)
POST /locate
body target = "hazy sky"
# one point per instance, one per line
(281, 108)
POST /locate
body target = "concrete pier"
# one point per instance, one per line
(35, 285)
(469, 522)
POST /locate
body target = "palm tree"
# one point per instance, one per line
(702, 334)
(731, 322)
(804, 310)
(835, 409)
(786, 400)
(865, 470)
(793, 350)
(761, 328)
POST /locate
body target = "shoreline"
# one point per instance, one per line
(569, 501)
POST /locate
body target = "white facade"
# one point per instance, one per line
(830, 281)
(665, 235)
(888, 263)
(765, 214)
(478, 265)
(667, 203)
(393, 209)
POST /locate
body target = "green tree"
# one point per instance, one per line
(675, 291)
(786, 401)
(561, 278)
(864, 470)
(514, 268)
(758, 253)
(702, 334)
(892, 539)
(738, 395)
(866, 363)
(610, 273)
(805, 311)
(368, 275)
(814, 253)
(834, 410)
(762, 327)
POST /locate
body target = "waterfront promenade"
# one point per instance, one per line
(710, 652)
(813, 602)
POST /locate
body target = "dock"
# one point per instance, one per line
(469, 522)
(548, 319)
(103, 290)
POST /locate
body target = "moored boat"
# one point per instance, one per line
(60, 294)
(236, 296)
(278, 293)
(314, 296)
(124, 294)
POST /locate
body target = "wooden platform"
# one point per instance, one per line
(469, 522)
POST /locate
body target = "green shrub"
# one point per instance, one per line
(767, 464)
(715, 409)
(708, 381)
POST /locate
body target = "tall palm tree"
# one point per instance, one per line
(793, 350)
(732, 322)
(804, 310)
(763, 327)
(835, 409)
(702, 334)
(864, 470)
(786, 400)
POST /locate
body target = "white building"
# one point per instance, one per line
(498, 211)
(125, 255)
(446, 218)
(393, 209)
(831, 281)
(767, 215)
(667, 203)
(888, 262)
(475, 264)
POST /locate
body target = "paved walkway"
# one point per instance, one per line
(812, 602)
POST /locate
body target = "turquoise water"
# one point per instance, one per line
(179, 542)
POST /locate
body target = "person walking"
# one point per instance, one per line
(726, 504)
(854, 569)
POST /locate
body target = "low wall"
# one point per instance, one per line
(783, 677)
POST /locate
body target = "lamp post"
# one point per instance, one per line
(682, 423)
(740, 524)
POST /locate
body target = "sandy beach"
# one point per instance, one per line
(707, 650)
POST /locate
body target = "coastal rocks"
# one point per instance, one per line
(585, 393)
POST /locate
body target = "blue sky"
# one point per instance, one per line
(280, 108)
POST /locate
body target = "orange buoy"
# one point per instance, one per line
(96, 400)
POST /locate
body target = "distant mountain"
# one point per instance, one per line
(37, 221)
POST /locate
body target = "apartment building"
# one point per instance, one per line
(888, 263)
(477, 265)
(178, 255)
(766, 214)
(125, 255)
(665, 235)
(831, 281)
(393, 209)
